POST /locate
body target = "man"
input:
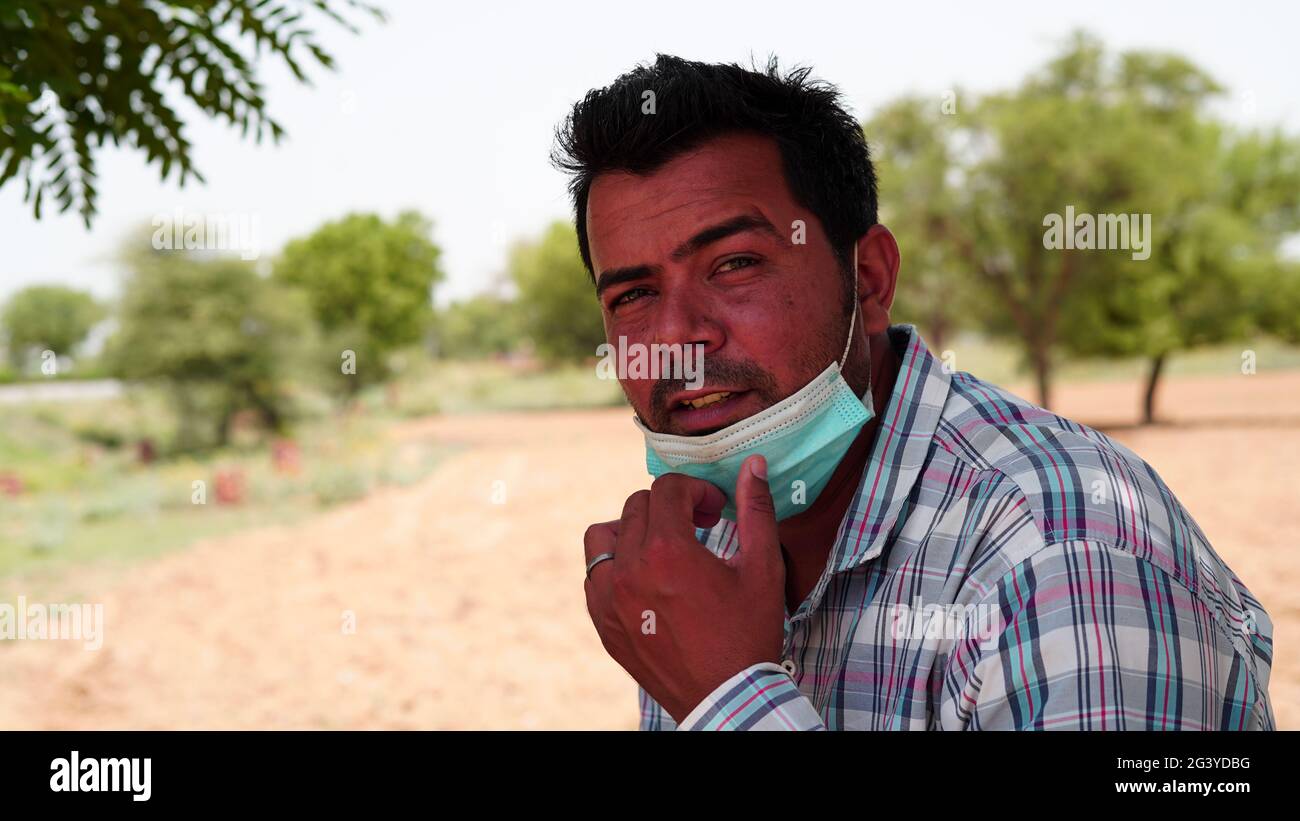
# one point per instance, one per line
(902, 548)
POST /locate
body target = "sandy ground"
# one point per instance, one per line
(468, 603)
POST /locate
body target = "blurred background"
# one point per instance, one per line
(298, 352)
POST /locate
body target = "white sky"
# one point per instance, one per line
(450, 108)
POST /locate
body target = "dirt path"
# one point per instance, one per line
(469, 612)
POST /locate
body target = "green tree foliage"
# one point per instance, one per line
(1277, 300)
(1221, 201)
(557, 302)
(370, 285)
(217, 336)
(1060, 140)
(75, 75)
(1261, 182)
(1103, 135)
(913, 146)
(481, 326)
(47, 317)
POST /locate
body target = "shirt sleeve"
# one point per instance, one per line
(1090, 637)
(761, 697)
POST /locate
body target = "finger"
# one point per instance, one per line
(632, 524)
(680, 503)
(709, 510)
(597, 599)
(599, 538)
(756, 515)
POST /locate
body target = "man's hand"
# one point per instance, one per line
(680, 620)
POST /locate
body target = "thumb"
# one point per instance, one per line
(756, 513)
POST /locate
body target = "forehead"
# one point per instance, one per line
(630, 213)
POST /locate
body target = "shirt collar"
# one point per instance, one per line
(907, 427)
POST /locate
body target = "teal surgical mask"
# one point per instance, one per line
(803, 438)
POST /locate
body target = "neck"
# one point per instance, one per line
(807, 539)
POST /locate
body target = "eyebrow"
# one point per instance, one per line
(735, 225)
(617, 276)
(708, 236)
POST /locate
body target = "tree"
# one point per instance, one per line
(370, 285)
(1089, 135)
(913, 148)
(1277, 301)
(557, 302)
(1263, 171)
(1059, 142)
(1223, 202)
(217, 336)
(47, 317)
(76, 75)
(481, 326)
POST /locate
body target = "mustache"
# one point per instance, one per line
(715, 370)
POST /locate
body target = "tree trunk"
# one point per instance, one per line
(271, 415)
(189, 437)
(1149, 398)
(938, 334)
(1043, 375)
(225, 426)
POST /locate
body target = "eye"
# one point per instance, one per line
(628, 296)
(735, 264)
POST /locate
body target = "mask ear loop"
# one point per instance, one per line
(848, 343)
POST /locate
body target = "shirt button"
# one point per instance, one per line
(790, 667)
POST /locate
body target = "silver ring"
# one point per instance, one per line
(603, 557)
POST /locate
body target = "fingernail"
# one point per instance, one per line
(758, 466)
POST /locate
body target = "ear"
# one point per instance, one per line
(878, 261)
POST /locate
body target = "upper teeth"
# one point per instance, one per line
(701, 401)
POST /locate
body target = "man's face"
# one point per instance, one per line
(703, 251)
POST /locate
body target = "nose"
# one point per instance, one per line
(686, 316)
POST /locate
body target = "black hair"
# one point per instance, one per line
(823, 151)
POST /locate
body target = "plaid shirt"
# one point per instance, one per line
(1001, 567)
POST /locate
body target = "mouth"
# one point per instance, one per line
(707, 411)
